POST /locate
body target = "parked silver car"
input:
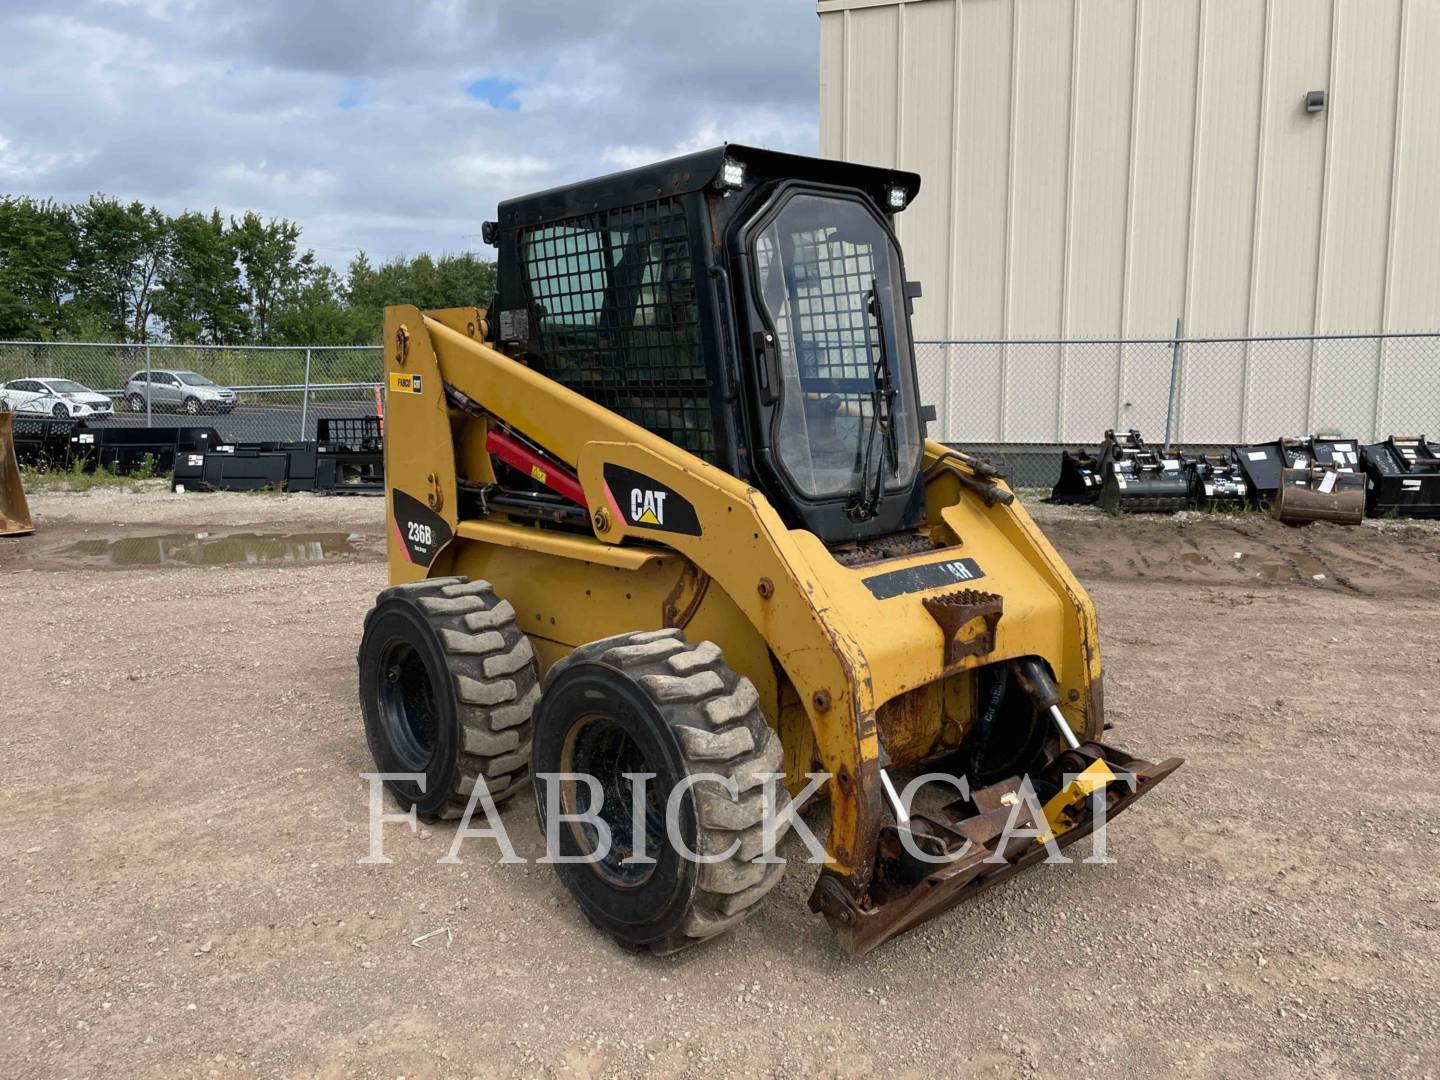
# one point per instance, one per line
(172, 389)
(63, 399)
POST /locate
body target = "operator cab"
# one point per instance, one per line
(750, 307)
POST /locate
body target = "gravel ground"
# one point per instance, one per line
(181, 819)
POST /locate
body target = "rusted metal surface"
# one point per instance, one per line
(906, 891)
(15, 519)
(686, 597)
(955, 611)
(1095, 708)
(1316, 493)
(910, 723)
(900, 546)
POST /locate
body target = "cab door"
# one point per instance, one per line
(835, 431)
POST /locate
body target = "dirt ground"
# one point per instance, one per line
(182, 818)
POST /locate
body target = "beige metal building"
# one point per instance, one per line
(1096, 168)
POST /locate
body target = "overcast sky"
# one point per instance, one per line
(389, 125)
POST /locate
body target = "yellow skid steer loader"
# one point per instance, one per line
(666, 510)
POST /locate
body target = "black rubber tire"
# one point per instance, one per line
(687, 712)
(191, 406)
(60, 412)
(471, 686)
(135, 403)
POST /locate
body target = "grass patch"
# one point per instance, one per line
(76, 478)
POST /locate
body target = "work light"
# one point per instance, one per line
(732, 173)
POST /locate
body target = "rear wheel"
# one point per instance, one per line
(447, 685)
(653, 704)
(135, 403)
(192, 406)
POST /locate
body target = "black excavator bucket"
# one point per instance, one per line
(1140, 479)
(1404, 473)
(1323, 484)
(42, 443)
(1262, 463)
(125, 450)
(1216, 483)
(1079, 482)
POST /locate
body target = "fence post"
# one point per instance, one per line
(945, 393)
(147, 385)
(1378, 411)
(305, 397)
(1172, 409)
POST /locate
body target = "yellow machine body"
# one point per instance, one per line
(853, 679)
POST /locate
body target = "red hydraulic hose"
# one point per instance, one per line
(551, 473)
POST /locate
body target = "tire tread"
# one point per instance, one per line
(716, 716)
(495, 680)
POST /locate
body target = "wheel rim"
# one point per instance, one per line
(59, 411)
(600, 747)
(192, 406)
(408, 707)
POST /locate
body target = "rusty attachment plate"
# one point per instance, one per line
(955, 611)
(15, 519)
(971, 846)
(1316, 493)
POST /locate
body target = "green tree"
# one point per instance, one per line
(121, 250)
(318, 313)
(201, 297)
(38, 249)
(274, 268)
(450, 281)
(119, 270)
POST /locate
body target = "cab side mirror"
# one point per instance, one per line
(913, 292)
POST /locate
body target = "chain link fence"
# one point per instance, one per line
(1020, 402)
(248, 393)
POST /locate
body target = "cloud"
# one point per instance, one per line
(392, 127)
(19, 166)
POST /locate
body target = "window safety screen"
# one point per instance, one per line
(830, 284)
(614, 300)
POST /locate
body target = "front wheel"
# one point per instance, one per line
(447, 685)
(650, 704)
(60, 412)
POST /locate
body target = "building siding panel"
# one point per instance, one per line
(1096, 168)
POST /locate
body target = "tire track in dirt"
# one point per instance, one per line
(1248, 550)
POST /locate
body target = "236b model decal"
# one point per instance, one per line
(419, 530)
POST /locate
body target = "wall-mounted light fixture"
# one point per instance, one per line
(1314, 101)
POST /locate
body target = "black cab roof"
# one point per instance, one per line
(693, 172)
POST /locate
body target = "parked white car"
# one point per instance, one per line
(63, 399)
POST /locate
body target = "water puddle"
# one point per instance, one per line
(203, 549)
